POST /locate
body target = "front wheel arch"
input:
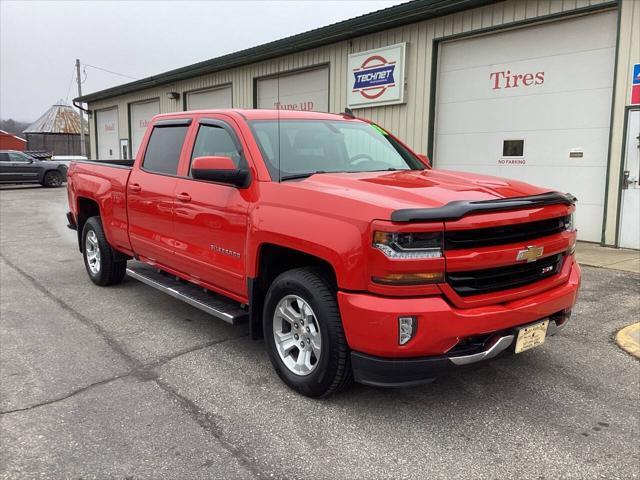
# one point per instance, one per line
(272, 261)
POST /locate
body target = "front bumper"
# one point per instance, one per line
(371, 328)
(406, 372)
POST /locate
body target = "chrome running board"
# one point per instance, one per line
(214, 304)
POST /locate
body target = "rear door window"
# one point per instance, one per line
(163, 151)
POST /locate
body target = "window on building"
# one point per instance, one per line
(513, 148)
(163, 151)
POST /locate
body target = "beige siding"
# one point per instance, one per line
(628, 54)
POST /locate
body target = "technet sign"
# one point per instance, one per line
(376, 77)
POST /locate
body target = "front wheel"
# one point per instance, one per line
(100, 260)
(304, 334)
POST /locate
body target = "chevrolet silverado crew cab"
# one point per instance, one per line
(343, 249)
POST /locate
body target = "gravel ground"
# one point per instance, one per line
(127, 383)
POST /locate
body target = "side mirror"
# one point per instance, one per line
(219, 169)
(424, 159)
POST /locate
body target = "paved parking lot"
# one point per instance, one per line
(125, 382)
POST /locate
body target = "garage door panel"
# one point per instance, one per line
(577, 110)
(564, 179)
(588, 70)
(210, 99)
(585, 218)
(546, 148)
(141, 115)
(567, 110)
(308, 90)
(535, 42)
(107, 134)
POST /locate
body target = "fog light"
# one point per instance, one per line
(406, 328)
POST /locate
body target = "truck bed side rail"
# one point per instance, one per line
(122, 163)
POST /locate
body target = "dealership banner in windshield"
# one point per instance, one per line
(376, 77)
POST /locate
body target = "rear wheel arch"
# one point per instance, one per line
(86, 208)
(271, 261)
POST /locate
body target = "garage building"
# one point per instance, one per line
(537, 90)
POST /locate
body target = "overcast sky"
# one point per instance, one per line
(39, 41)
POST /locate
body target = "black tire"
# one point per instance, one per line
(111, 271)
(53, 179)
(333, 371)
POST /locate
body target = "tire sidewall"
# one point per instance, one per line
(90, 225)
(321, 378)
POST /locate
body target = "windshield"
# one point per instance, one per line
(298, 148)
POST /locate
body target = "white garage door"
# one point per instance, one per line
(213, 98)
(107, 134)
(307, 90)
(532, 104)
(141, 115)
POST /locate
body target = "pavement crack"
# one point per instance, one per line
(144, 372)
(210, 424)
(113, 344)
(65, 397)
(167, 358)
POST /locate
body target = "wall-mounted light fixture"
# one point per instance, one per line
(173, 95)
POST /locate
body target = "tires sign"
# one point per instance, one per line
(376, 77)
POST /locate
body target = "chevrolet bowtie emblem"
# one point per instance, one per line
(530, 254)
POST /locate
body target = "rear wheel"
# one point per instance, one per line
(100, 259)
(304, 334)
(52, 179)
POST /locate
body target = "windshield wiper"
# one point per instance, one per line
(300, 175)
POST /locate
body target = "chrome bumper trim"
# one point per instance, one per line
(501, 344)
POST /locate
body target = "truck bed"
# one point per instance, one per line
(105, 182)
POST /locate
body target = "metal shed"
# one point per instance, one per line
(57, 131)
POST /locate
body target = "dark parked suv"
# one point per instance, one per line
(18, 167)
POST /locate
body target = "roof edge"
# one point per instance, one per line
(399, 15)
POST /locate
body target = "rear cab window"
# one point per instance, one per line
(163, 150)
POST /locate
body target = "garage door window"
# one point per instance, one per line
(163, 152)
(513, 148)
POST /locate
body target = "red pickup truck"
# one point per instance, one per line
(341, 247)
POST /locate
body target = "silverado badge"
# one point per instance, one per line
(530, 254)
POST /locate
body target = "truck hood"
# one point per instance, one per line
(389, 191)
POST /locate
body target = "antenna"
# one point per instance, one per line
(348, 113)
(279, 138)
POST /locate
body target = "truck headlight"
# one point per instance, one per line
(569, 224)
(409, 246)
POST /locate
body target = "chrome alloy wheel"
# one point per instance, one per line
(297, 335)
(92, 252)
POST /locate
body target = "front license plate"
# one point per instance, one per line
(531, 336)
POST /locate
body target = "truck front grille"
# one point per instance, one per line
(475, 282)
(520, 232)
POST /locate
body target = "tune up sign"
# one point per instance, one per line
(376, 77)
